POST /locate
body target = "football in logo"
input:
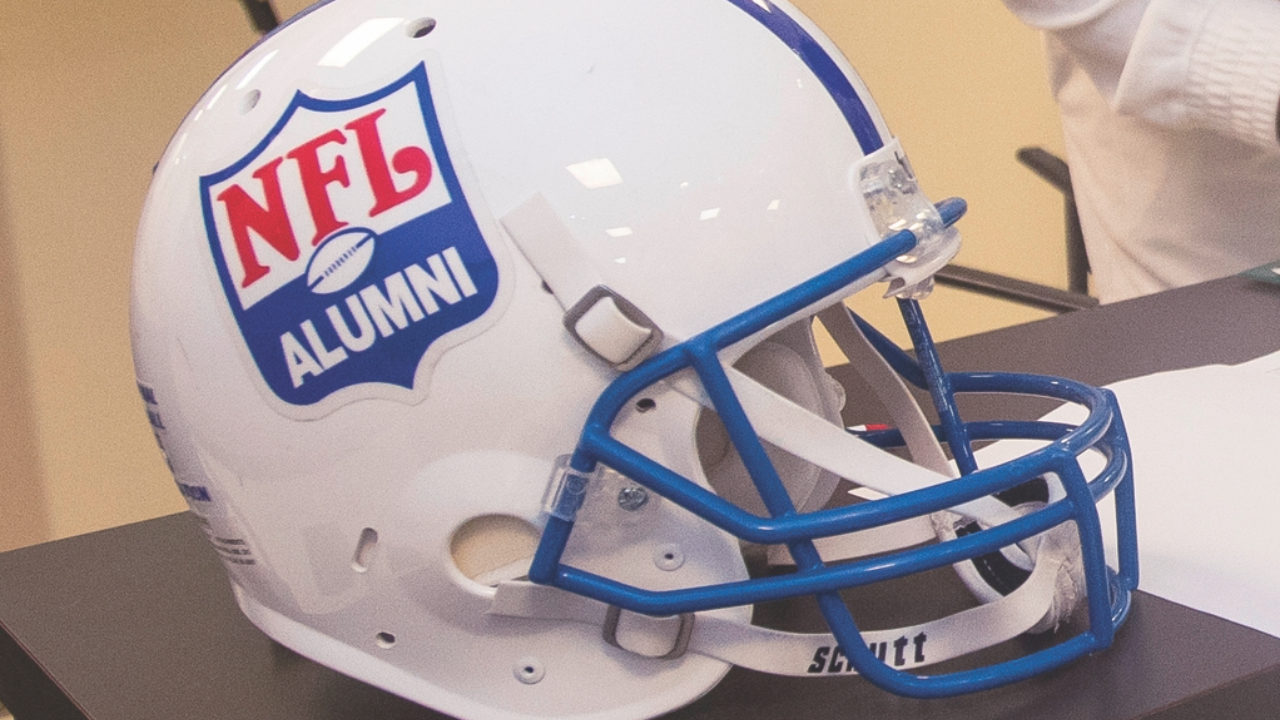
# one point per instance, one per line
(340, 260)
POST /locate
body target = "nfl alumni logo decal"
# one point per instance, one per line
(345, 245)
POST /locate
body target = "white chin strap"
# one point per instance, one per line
(785, 653)
(605, 323)
(1046, 598)
(806, 435)
(923, 445)
(897, 399)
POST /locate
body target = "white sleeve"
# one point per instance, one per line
(1211, 64)
(1098, 34)
(1059, 14)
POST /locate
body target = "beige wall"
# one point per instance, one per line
(90, 92)
(89, 95)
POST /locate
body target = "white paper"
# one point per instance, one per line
(1205, 447)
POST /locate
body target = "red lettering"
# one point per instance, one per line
(271, 222)
(407, 160)
(315, 181)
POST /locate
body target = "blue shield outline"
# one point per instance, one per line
(392, 358)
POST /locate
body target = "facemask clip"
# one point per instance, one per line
(893, 196)
(568, 489)
(612, 328)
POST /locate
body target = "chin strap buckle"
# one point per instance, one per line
(605, 323)
(661, 638)
(612, 328)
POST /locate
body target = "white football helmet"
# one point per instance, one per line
(479, 335)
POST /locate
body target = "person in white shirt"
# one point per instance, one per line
(1169, 111)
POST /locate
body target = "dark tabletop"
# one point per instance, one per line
(138, 622)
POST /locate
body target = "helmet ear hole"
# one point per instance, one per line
(491, 548)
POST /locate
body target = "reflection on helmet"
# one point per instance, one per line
(482, 338)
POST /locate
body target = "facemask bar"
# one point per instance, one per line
(1106, 611)
(1102, 430)
(927, 374)
(938, 384)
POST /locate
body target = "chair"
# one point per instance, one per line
(262, 15)
(1053, 170)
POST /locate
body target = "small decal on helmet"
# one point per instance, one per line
(344, 242)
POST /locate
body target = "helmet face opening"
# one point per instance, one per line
(1012, 532)
(483, 335)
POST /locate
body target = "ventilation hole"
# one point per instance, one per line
(250, 101)
(385, 640)
(421, 28)
(646, 404)
(364, 550)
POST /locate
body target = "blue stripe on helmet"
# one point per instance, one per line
(786, 29)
